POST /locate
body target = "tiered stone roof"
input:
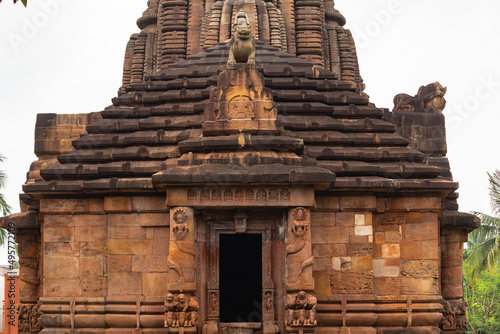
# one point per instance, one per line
(172, 30)
(323, 122)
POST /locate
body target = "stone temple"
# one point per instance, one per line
(245, 185)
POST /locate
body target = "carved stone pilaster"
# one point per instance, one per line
(299, 251)
(301, 303)
(28, 240)
(181, 306)
(182, 251)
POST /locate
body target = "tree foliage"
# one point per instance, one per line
(483, 295)
(3, 236)
(482, 268)
(485, 241)
(24, 2)
(5, 209)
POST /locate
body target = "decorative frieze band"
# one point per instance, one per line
(264, 196)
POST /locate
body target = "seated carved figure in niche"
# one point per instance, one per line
(242, 48)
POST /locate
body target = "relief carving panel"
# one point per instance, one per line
(299, 251)
(182, 251)
(181, 311)
(270, 196)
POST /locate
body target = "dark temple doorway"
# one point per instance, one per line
(240, 277)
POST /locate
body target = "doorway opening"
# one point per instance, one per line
(240, 277)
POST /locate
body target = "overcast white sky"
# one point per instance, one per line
(66, 56)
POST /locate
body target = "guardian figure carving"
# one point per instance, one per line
(242, 48)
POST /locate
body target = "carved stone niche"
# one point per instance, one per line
(182, 251)
(268, 226)
(300, 302)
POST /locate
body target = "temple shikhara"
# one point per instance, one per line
(242, 182)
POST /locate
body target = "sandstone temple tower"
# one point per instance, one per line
(266, 196)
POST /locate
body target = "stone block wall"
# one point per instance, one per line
(112, 246)
(342, 237)
(377, 263)
(406, 250)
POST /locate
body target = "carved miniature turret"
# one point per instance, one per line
(150, 15)
(140, 55)
(332, 15)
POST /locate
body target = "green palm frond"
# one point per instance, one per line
(484, 255)
(494, 254)
(3, 236)
(5, 208)
(490, 227)
(495, 191)
(487, 219)
(3, 178)
(484, 243)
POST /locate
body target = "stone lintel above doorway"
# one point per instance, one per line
(241, 196)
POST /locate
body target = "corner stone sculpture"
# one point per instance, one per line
(429, 98)
(242, 48)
